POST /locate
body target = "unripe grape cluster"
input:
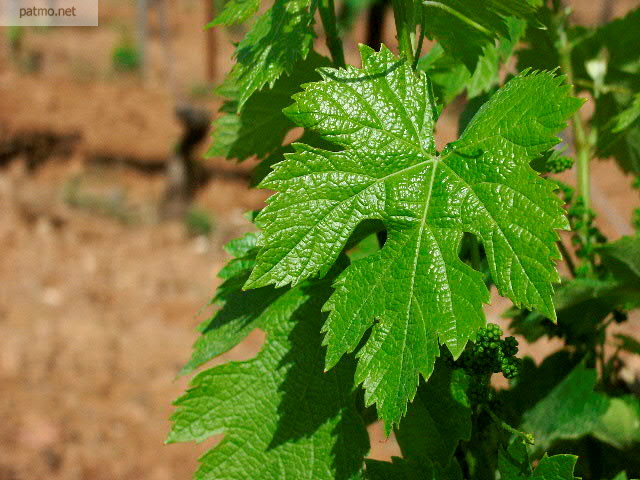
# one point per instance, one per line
(558, 163)
(491, 354)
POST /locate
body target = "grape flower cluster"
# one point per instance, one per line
(491, 354)
(558, 163)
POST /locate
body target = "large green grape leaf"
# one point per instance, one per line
(572, 409)
(282, 416)
(464, 28)
(281, 36)
(260, 127)
(414, 291)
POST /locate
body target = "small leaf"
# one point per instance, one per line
(260, 127)
(514, 464)
(464, 28)
(558, 467)
(281, 36)
(235, 11)
(451, 77)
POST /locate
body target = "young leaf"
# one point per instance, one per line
(235, 11)
(450, 77)
(464, 28)
(514, 461)
(416, 287)
(557, 467)
(280, 37)
(572, 409)
(283, 417)
(514, 465)
(260, 127)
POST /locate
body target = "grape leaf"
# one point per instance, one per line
(266, 165)
(620, 425)
(514, 461)
(437, 419)
(514, 465)
(279, 38)
(451, 77)
(620, 136)
(622, 259)
(582, 303)
(260, 127)
(282, 415)
(464, 28)
(235, 11)
(572, 409)
(416, 287)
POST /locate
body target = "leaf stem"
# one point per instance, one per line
(567, 258)
(420, 38)
(401, 15)
(582, 146)
(457, 14)
(328, 16)
(527, 437)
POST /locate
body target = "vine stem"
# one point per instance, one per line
(328, 16)
(567, 258)
(581, 143)
(420, 39)
(400, 15)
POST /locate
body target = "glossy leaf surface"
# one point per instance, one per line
(415, 292)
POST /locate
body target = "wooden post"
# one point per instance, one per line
(211, 44)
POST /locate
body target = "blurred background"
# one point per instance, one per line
(112, 225)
